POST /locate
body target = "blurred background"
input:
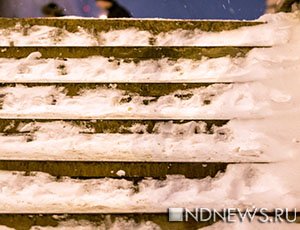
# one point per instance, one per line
(180, 9)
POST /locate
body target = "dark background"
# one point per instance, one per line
(197, 9)
(181, 9)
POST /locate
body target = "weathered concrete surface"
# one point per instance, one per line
(153, 26)
(102, 169)
(131, 53)
(11, 126)
(130, 89)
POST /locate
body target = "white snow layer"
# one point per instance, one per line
(242, 186)
(267, 126)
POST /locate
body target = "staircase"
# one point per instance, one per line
(99, 126)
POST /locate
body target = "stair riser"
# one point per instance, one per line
(141, 89)
(131, 54)
(133, 170)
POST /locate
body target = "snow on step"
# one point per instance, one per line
(153, 25)
(91, 32)
(41, 193)
(235, 141)
(216, 101)
(99, 69)
(257, 64)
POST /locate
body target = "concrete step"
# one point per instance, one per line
(154, 221)
(14, 126)
(120, 100)
(133, 89)
(129, 140)
(135, 54)
(90, 169)
(154, 26)
(114, 169)
(157, 220)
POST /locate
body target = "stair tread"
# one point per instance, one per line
(153, 25)
(16, 126)
(142, 89)
(45, 193)
(136, 101)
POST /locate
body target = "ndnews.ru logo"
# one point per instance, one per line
(232, 215)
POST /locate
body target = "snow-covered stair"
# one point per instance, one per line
(114, 32)
(105, 124)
